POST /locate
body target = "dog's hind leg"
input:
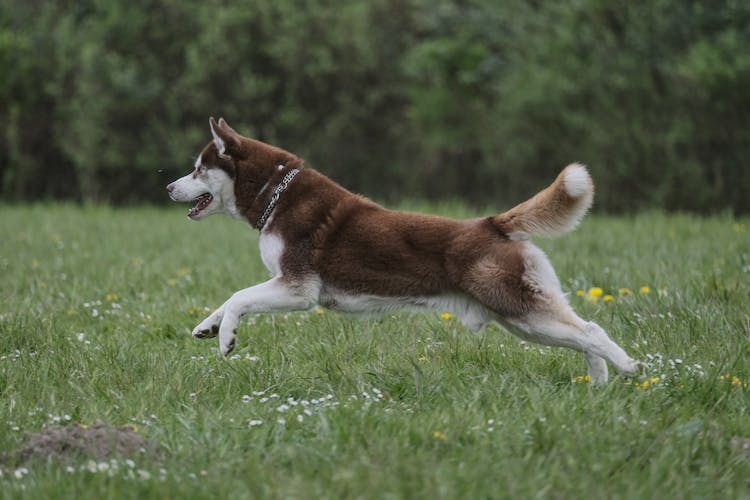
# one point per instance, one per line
(551, 321)
(565, 329)
(597, 368)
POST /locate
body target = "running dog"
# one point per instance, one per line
(328, 247)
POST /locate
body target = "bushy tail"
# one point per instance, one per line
(553, 211)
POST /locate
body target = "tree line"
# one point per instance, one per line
(107, 100)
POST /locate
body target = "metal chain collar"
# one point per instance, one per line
(276, 196)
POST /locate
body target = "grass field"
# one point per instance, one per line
(97, 304)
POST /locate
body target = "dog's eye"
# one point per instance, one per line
(201, 170)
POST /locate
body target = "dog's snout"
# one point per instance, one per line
(170, 188)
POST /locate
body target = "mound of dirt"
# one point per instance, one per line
(74, 442)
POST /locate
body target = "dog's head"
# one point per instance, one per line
(229, 174)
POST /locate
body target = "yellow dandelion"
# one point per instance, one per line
(446, 316)
(423, 359)
(83, 426)
(320, 311)
(738, 228)
(622, 292)
(608, 298)
(594, 294)
(71, 312)
(580, 293)
(111, 297)
(442, 436)
(733, 380)
(644, 289)
(43, 284)
(183, 271)
(582, 379)
(647, 383)
(171, 282)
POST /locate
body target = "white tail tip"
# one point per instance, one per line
(577, 180)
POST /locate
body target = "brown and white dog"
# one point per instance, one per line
(326, 246)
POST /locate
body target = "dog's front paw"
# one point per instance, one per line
(209, 327)
(227, 342)
(200, 332)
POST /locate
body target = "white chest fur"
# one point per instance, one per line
(271, 250)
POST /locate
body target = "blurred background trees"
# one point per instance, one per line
(108, 100)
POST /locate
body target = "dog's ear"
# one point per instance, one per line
(226, 140)
(224, 125)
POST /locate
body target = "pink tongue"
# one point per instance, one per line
(203, 202)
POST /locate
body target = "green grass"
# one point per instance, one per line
(97, 304)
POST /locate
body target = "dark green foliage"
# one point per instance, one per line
(107, 100)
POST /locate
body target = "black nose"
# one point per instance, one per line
(170, 188)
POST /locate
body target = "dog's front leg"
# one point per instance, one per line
(272, 296)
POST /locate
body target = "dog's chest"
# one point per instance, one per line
(271, 250)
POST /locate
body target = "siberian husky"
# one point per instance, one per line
(328, 247)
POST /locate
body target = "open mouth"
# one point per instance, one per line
(202, 202)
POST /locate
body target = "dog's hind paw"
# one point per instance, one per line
(642, 368)
(636, 369)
